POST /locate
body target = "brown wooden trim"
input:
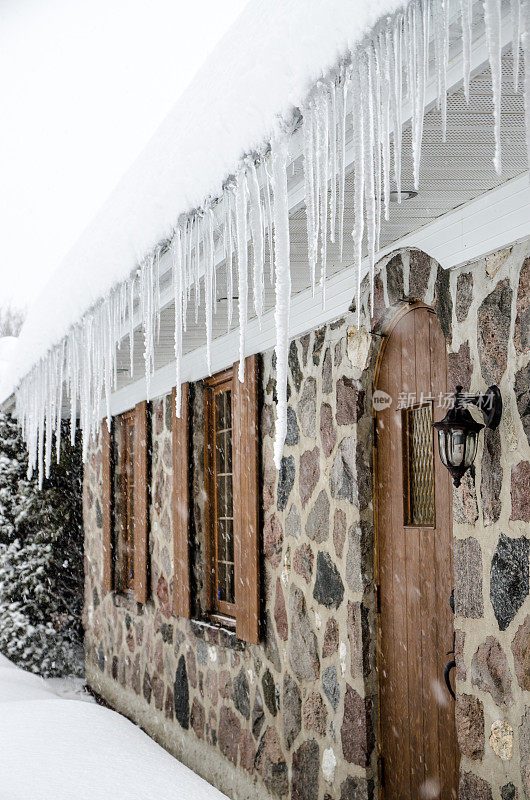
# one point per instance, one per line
(106, 500)
(246, 506)
(141, 499)
(209, 578)
(181, 502)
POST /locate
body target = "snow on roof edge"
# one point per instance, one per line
(258, 73)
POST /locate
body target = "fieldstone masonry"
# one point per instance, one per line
(296, 716)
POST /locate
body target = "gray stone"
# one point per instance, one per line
(419, 273)
(522, 319)
(508, 792)
(339, 531)
(342, 481)
(292, 437)
(305, 771)
(464, 295)
(394, 279)
(305, 341)
(465, 507)
(522, 396)
(320, 335)
(258, 715)
(356, 731)
(354, 788)
(271, 645)
(269, 691)
(294, 366)
(327, 372)
(490, 487)
(181, 697)
(468, 578)
(354, 575)
(494, 316)
(147, 687)
(317, 525)
(241, 693)
(285, 480)
(524, 749)
(309, 474)
(442, 301)
(328, 433)
(270, 763)
(303, 648)
(459, 368)
(307, 407)
(364, 477)
(229, 734)
(473, 788)
(491, 673)
(99, 515)
(328, 589)
(292, 710)
(101, 658)
(509, 578)
(330, 685)
(520, 491)
(293, 524)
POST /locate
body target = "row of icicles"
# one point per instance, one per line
(366, 91)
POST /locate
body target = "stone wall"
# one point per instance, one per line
(296, 715)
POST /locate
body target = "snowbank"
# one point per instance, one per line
(53, 748)
(262, 69)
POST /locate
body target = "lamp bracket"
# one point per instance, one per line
(490, 404)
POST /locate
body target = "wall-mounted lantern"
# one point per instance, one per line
(458, 432)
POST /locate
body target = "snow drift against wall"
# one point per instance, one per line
(316, 65)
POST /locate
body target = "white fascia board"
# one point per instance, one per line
(497, 219)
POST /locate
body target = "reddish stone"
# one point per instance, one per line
(247, 750)
(135, 675)
(473, 788)
(465, 508)
(356, 730)
(309, 473)
(355, 638)
(328, 434)
(162, 593)
(350, 402)
(491, 673)
(280, 612)
(303, 561)
(524, 749)
(270, 763)
(130, 640)
(211, 728)
(420, 270)
(464, 295)
(380, 308)
(491, 481)
(225, 684)
(212, 689)
(273, 540)
(305, 771)
(315, 714)
(270, 476)
(197, 718)
(460, 670)
(522, 320)
(191, 666)
(469, 715)
(331, 638)
(521, 654)
(229, 733)
(494, 317)
(339, 531)
(468, 578)
(159, 417)
(303, 652)
(459, 368)
(158, 692)
(159, 657)
(267, 421)
(520, 491)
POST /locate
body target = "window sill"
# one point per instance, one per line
(217, 630)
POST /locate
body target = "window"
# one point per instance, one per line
(125, 503)
(123, 489)
(418, 465)
(231, 503)
(220, 495)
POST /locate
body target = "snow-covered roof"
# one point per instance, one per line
(259, 72)
(8, 346)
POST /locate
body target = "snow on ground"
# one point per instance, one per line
(54, 747)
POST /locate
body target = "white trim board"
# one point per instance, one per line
(494, 220)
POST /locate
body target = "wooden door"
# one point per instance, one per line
(414, 569)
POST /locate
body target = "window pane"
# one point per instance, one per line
(419, 468)
(224, 533)
(123, 489)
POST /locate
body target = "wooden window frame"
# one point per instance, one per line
(138, 588)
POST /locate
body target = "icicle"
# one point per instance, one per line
(367, 89)
(256, 229)
(333, 159)
(178, 295)
(516, 40)
(466, 11)
(242, 265)
(309, 187)
(358, 194)
(283, 285)
(343, 104)
(323, 161)
(396, 96)
(492, 19)
(229, 259)
(385, 117)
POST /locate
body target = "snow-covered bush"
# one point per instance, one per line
(41, 559)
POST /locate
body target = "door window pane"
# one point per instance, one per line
(418, 465)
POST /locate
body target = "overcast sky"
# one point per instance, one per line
(83, 85)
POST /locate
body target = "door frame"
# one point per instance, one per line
(404, 308)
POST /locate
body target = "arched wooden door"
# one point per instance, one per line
(414, 565)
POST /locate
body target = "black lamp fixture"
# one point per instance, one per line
(458, 432)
